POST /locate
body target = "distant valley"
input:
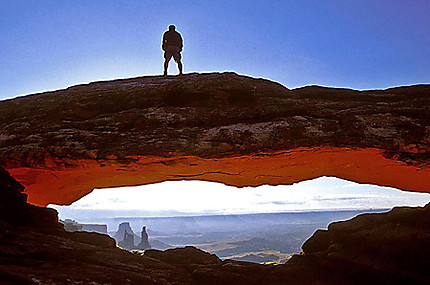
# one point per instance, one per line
(260, 238)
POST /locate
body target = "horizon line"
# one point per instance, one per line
(193, 215)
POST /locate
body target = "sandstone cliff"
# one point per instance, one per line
(219, 127)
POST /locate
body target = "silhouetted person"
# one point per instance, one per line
(172, 46)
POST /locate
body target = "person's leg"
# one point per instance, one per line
(180, 67)
(177, 58)
(167, 56)
(166, 65)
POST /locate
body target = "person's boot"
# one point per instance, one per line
(165, 73)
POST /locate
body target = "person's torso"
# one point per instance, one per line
(172, 38)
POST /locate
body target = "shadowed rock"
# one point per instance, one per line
(208, 126)
(35, 249)
(391, 248)
(184, 256)
(388, 248)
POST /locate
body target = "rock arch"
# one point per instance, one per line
(218, 127)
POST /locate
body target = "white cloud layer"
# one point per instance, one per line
(173, 198)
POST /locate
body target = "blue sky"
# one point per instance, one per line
(362, 44)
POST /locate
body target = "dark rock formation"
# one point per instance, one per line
(209, 126)
(206, 268)
(127, 241)
(14, 209)
(122, 229)
(390, 248)
(184, 256)
(35, 249)
(144, 241)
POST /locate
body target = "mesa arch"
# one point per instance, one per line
(217, 127)
(360, 165)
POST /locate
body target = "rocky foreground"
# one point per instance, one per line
(35, 249)
(219, 127)
(391, 248)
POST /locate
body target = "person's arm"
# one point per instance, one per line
(182, 43)
(163, 43)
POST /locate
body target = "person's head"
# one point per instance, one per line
(172, 27)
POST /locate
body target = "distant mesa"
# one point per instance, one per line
(124, 228)
(124, 236)
(127, 239)
(73, 226)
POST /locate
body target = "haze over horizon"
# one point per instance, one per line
(196, 198)
(50, 45)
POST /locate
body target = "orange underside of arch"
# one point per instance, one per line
(64, 186)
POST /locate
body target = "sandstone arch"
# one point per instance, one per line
(219, 127)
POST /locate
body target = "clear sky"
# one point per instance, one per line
(362, 44)
(178, 198)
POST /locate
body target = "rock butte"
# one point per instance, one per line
(218, 127)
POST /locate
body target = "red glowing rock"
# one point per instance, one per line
(218, 127)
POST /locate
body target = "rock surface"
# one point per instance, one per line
(122, 229)
(35, 249)
(184, 256)
(218, 127)
(15, 211)
(127, 241)
(144, 240)
(389, 248)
